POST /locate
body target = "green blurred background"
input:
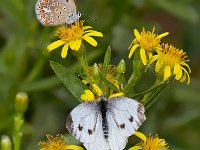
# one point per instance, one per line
(24, 66)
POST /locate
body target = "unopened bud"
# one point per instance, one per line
(95, 71)
(6, 143)
(121, 67)
(21, 102)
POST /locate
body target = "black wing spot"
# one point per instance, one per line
(131, 119)
(53, 4)
(90, 131)
(122, 126)
(80, 128)
(67, 1)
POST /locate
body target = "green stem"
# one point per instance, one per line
(152, 96)
(17, 135)
(83, 60)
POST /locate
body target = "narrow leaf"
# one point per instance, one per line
(106, 64)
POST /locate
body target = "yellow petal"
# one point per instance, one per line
(183, 78)
(137, 34)
(141, 136)
(87, 96)
(73, 147)
(176, 68)
(77, 45)
(95, 33)
(184, 64)
(179, 72)
(87, 27)
(64, 50)
(72, 45)
(116, 94)
(186, 74)
(90, 40)
(143, 56)
(85, 82)
(162, 35)
(132, 50)
(167, 72)
(153, 59)
(135, 148)
(97, 90)
(158, 66)
(55, 45)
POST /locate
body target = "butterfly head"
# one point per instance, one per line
(73, 17)
(102, 98)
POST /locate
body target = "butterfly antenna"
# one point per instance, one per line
(88, 16)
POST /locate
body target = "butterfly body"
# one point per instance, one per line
(106, 124)
(56, 12)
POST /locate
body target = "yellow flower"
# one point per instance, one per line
(111, 76)
(57, 143)
(148, 43)
(150, 143)
(172, 62)
(97, 92)
(73, 36)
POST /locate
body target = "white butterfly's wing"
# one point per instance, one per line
(82, 121)
(85, 123)
(54, 12)
(99, 143)
(124, 117)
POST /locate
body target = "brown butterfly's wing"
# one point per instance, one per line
(54, 12)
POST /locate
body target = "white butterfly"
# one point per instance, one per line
(106, 124)
(56, 12)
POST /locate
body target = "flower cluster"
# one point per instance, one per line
(94, 79)
(149, 143)
(170, 61)
(57, 143)
(73, 37)
(108, 80)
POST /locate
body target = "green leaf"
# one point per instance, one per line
(150, 98)
(138, 71)
(106, 64)
(72, 82)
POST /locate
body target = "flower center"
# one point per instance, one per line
(153, 143)
(149, 41)
(73, 32)
(170, 55)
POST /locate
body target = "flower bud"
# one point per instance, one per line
(21, 102)
(95, 71)
(121, 67)
(6, 143)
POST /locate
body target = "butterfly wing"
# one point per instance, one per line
(54, 12)
(124, 117)
(85, 123)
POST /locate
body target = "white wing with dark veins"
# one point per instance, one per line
(85, 123)
(124, 116)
